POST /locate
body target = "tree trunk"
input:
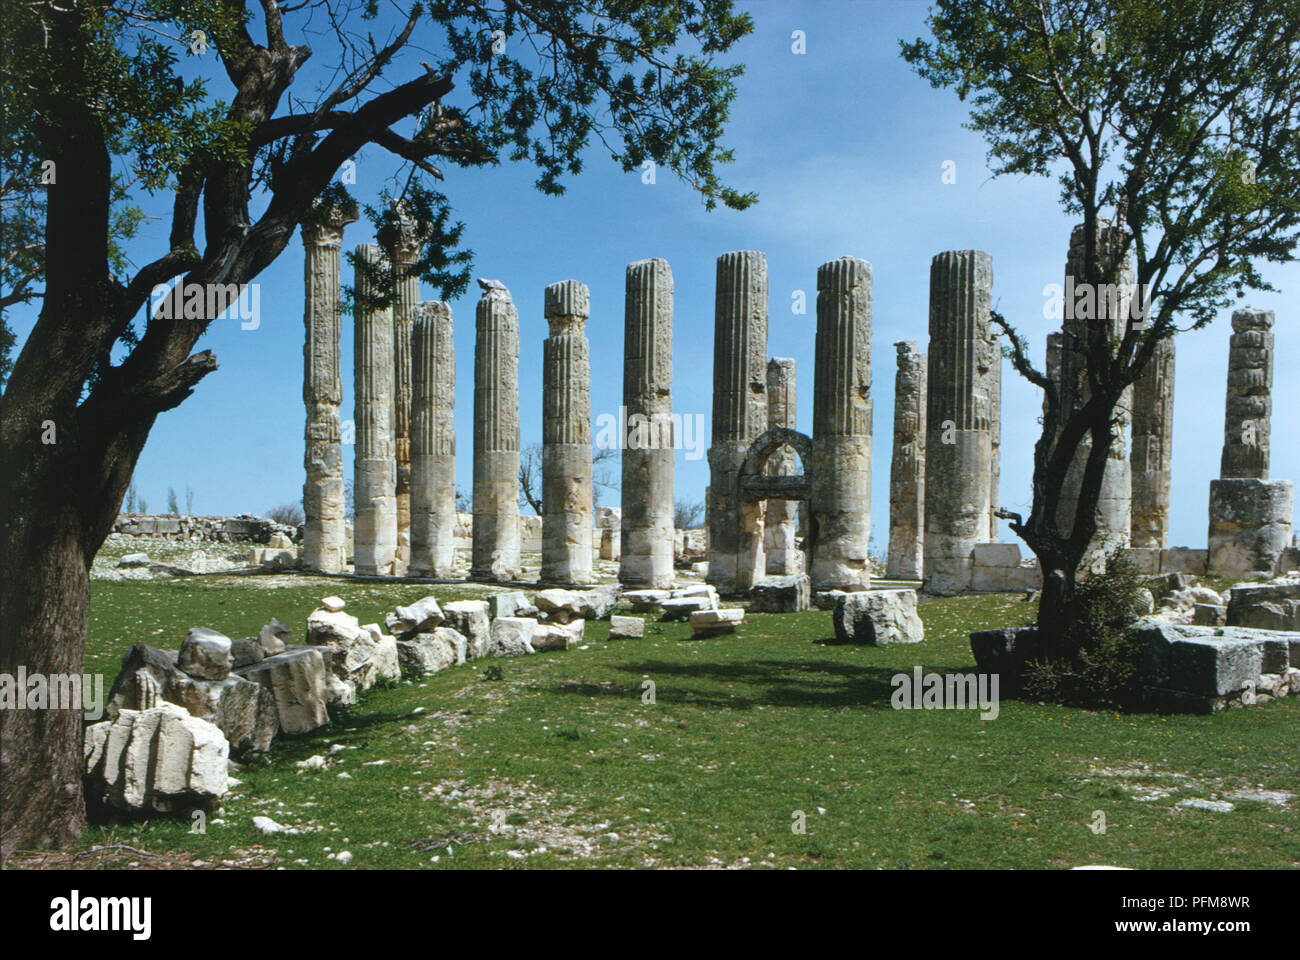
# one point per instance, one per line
(44, 611)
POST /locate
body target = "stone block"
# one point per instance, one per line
(878, 617)
(788, 594)
(511, 636)
(626, 628)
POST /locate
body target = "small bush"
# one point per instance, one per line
(493, 671)
(1103, 669)
(289, 514)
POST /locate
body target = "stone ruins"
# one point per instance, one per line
(787, 514)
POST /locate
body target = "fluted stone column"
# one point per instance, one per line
(994, 364)
(433, 442)
(566, 437)
(1248, 405)
(907, 467)
(403, 253)
(840, 482)
(1114, 504)
(324, 537)
(646, 539)
(495, 551)
(781, 521)
(1153, 434)
(375, 466)
(958, 438)
(1251, 516)
(739, 416)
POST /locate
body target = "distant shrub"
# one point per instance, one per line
(287, 513)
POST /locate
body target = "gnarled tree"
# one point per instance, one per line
(1175, 123)
(96, 88)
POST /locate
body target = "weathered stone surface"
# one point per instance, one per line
(274, 636)
(150, 676)
(1210, 615)
(1152, 454)
(791, 594)
(375, 459)
(324, 544)
(433, 442)
(512, 603)
(739, 416)
(511, 636)
(958, 442)
(878, 617)
(403, 251)
(1214, 665)
(567, 500)
(426, 653)
(558, 636)
(713, 623)
(205, 654)
(624, 628)
(244, 652)
(325, 626)
(1250, 526)
(646, 535)
(471, 619)
(296, 679)
(1183, 560)
(680, 608)
(495, 554)
(384, 655)
(840, 472)
(157, 760)
(420, 617)
(781, 550)
(1249, 404)
(907, 467)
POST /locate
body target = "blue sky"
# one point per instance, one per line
(845, 146)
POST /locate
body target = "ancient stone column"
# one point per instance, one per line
(404, 251)
(1250, 515)
(646, 559)
(781, 521)
(375, 466)
(433, 442)
(1153, 435)
(995, 429)
(1248, 407)
(1085, 307)
(840, 481)
(739, 416)
(907, 467)
(958, 438)
(495, 551)
(324, 537)
(566, 437)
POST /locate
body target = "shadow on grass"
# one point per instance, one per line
(788, 683)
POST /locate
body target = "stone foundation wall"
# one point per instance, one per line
(244, 528)
(1003, 568)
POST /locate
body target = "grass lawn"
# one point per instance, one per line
(559, 761)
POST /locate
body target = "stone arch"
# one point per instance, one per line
(766, 444)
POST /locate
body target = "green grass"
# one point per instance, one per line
(560, 762)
